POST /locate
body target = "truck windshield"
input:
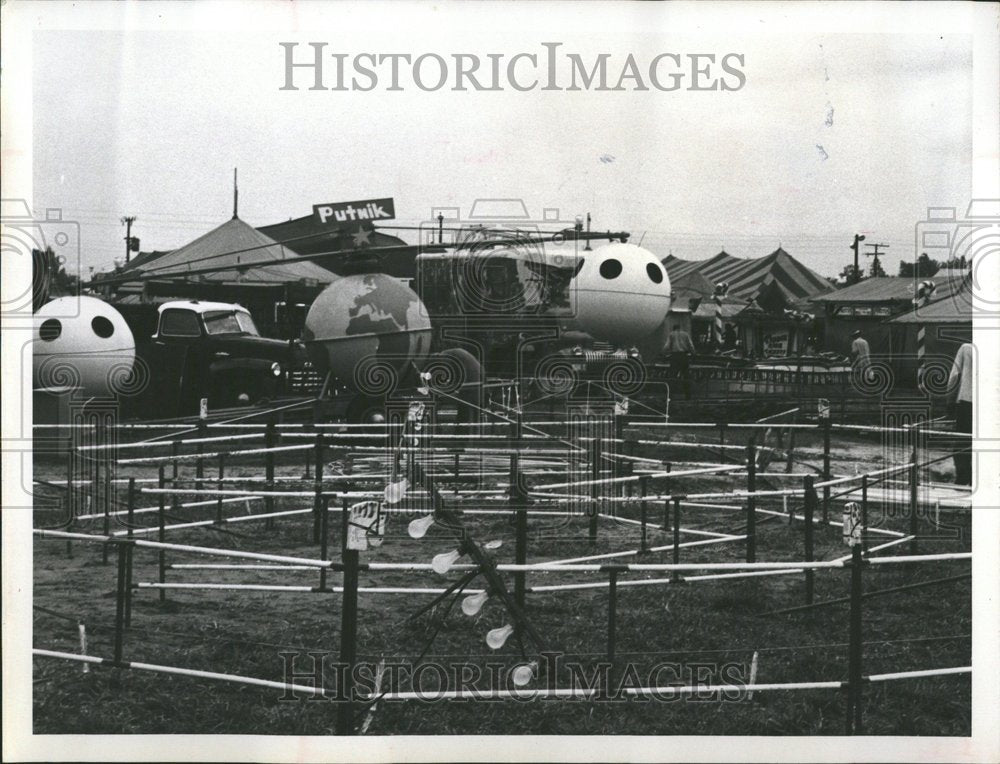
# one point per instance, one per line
(234, 322)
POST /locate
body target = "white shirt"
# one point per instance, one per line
(861, 352)
(962, 373)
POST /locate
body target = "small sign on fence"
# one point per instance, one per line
(365, 526)
(823, 408)
(852, 523)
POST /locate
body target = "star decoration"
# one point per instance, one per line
(361, 237)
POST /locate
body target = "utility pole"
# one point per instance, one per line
(875, 254)
(856, 276)
(127, 222)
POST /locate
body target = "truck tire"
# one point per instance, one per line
(366, 410)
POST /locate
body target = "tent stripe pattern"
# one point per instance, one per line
(747, 278)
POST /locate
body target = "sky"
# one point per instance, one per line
(833, 134)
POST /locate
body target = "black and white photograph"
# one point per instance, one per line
(502, 381)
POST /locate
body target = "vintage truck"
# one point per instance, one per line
(211, 350)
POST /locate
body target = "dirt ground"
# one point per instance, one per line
(692, 632)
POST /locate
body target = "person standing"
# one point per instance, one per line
(861, 356)
(680, 347)
(960, 395)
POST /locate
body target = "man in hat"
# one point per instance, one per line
(679, 347)
(860, 355)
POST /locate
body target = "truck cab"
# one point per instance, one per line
(213, 350)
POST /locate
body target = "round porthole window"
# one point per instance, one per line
(50, 329)
(102, 327)
(611, 268)
(655, 273)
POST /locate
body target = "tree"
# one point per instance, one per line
(876, 269)
(926, 267)
(847, 275)
(50, 279)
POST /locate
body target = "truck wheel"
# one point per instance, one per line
(233, 392)
(365, 410)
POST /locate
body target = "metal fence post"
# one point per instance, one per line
(612, 611)
(199, 465)
(809, 508)
(161, 534)
(130, 499)
(221, 486)
(120, 602)
(318, 504)
(595, 476)
(643, 509)
(751, 500)
(322, 515)
(348, 638)
(826, 469)
(854, 719)
(129, 551)
(864, 512)
(269, 435)
(517, 501)
(914, 527)
(675, 575)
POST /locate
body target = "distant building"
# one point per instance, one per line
(947, 323)
(867, 306)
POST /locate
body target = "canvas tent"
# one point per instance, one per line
(748, 277)
(677, 267)
(760, 290)
(232, 263)
(235, 251)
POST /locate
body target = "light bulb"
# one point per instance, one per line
(442, 563)
(474, 603)
(496, 638)
(395, 491)
(524, 673)
(491, 545)
(418, 528)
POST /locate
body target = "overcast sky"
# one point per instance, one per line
(831, 135)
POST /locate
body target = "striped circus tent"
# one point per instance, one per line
(678, 268)
(747, 278)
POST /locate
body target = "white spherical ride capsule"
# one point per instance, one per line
(81, 342)
(622, 294)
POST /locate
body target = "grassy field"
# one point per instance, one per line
(693, 632)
